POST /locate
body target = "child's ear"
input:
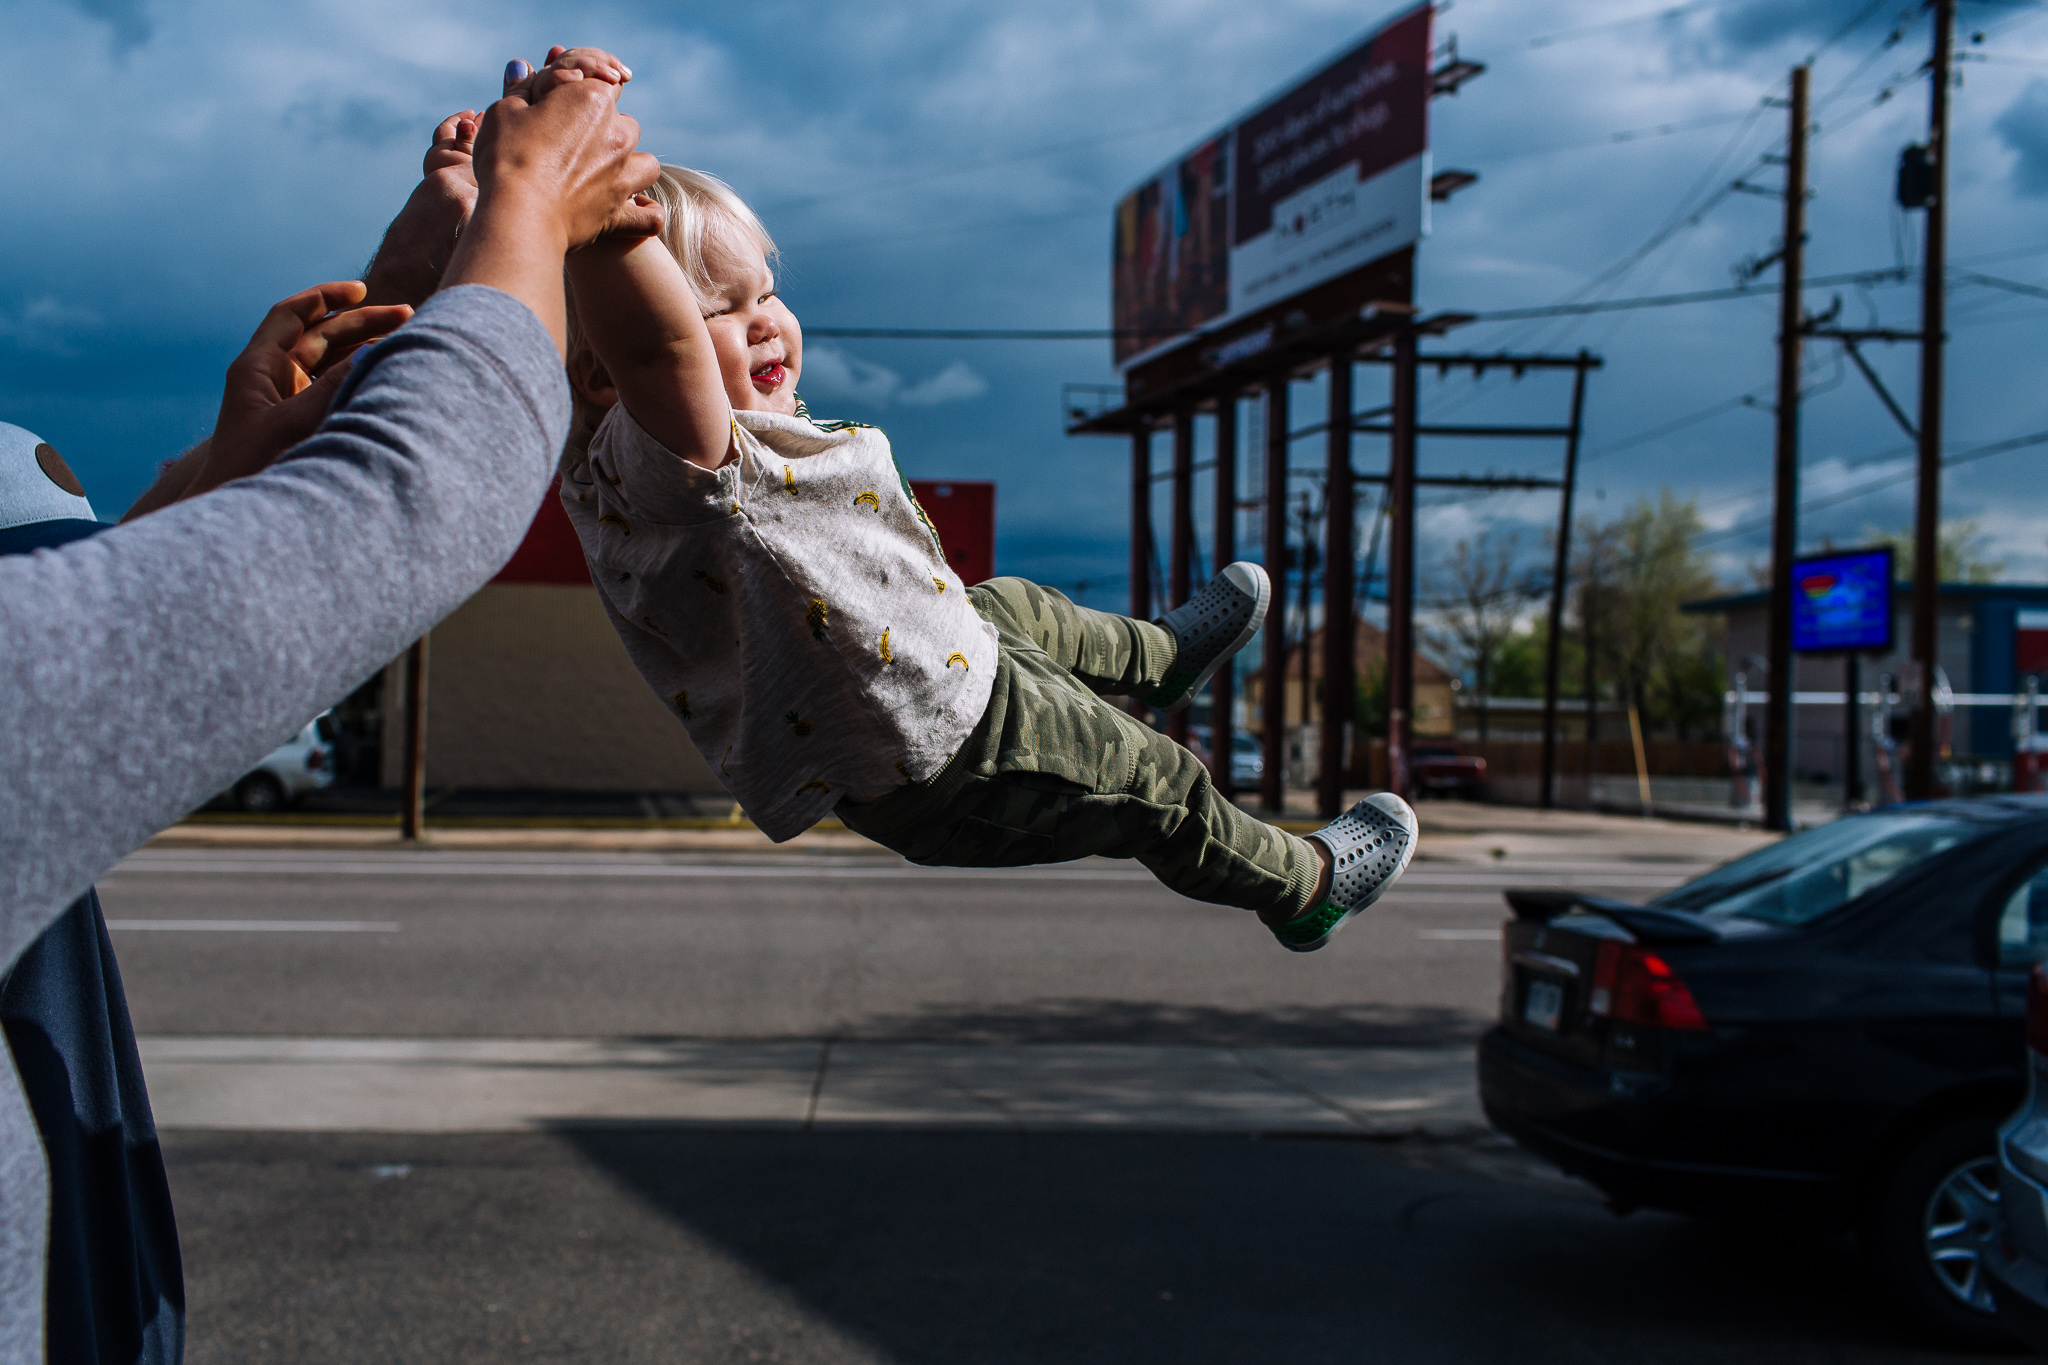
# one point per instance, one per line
(590, 379)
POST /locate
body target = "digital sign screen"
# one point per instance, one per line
(1843, 602)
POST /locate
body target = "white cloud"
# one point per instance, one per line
(46, 324)
(833, 374)
(954, 384)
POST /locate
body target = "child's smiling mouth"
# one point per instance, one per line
(769, 377)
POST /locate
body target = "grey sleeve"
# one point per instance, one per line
(146, 668)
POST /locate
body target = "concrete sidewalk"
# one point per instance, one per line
(498, 1085)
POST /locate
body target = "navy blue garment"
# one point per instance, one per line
(115, 1288)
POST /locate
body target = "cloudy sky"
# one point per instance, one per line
(174, 169)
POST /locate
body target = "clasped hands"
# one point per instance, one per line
(554, 160)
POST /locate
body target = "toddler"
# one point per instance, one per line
(779, 587)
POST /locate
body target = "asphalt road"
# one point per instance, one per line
(609, 946)
(632, 1241)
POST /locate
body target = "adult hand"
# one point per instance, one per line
(279, 387)
(552, 174)
(564, 64)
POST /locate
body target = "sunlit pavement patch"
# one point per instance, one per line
(497, 1085)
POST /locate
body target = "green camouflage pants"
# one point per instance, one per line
(1053, 772)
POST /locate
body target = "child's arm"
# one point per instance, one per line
(642, 319)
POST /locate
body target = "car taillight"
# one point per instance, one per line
(2037, 1009)
(1634, 986)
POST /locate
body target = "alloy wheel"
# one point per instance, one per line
(1961, 1220)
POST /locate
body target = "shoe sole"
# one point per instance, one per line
(1244, 637)
(1414, 832)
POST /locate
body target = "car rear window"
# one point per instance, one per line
(1810, 873)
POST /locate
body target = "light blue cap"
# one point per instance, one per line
(35, 483)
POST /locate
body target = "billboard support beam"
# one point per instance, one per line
(412, 825)
(1273, 684)
(1401, 565)
(1141, 529)
(1223, 687)
(1554, 639)
(1339, 533)
(1182, 539)
(1785, 514)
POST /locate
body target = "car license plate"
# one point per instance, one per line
(1543, 1006)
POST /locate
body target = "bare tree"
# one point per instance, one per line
(1479, 595)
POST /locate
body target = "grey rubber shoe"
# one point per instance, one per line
(1370, 846)
(1208, 628)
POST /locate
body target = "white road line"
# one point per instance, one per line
(259, 926)
(1461, 935)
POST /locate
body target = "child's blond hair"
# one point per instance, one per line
(704, 213)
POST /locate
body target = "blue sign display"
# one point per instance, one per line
(1843, 602)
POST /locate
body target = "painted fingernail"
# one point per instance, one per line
(516, 70)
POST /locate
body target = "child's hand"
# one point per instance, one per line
(640, 217)
(564, 64)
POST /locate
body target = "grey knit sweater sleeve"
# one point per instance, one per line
(144, 669)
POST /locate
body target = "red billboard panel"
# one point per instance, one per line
(1327, 177)
(964, 511)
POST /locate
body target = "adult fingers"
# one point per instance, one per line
(592, 61)
(332, 338)
(289, 318)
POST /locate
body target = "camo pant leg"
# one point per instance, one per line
(1114, 656)
(1053, 773)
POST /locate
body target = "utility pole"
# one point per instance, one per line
(1307, 565)
(412, 819)
(1927, 509)
(1401, 564)
(1181, 540)
(1339, 516)
(1554, 640)
(1785, 515)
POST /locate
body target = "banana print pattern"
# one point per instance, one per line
(648, 621)
(716, 585)
(940, 584)
(956, 657)
(815, 618)
(788, 479)
(883, 649)
(867, 498)
(816, 784)
(683, 705)
(798, 724)
(614, 519)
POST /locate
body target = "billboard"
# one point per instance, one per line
(1330, 175)
(1843, 602)
(963, 511)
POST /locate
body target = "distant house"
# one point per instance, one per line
(1435, 685)
(1992, 636)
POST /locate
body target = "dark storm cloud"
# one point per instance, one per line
(2024, 128)
(128, 20)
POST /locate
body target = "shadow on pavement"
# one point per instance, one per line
(660, 1244)
(1084, 1020)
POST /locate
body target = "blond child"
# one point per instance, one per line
(776, 583)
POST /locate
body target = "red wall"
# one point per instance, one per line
(964, 510)
(550, 553)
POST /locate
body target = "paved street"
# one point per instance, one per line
(562, 1104)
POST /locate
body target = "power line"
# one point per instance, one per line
(1970, 456)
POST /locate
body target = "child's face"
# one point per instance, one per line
(756, 338)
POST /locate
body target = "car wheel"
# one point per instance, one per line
(259, 794)
(1927, 1224)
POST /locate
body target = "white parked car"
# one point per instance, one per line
(303, 763)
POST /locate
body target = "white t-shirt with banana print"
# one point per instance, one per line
(793, 609)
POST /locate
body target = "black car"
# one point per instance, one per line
(1828, 1028)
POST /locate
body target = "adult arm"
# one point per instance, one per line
(148, 667)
